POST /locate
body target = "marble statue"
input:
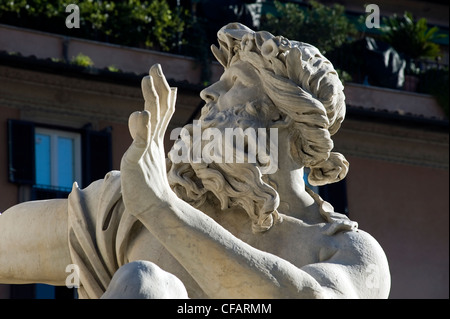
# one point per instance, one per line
(169, 228)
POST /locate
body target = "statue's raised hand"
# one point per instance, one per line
(143, 167)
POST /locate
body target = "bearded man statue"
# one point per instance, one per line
(214, 226)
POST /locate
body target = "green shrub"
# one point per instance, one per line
(326, 27)
(411, 37)
(147, 24)
(82, 60)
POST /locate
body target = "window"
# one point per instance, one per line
(48, 159)
(57, 158)
(46, 156)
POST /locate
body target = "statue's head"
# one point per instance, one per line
(304, 88)
(268, 82)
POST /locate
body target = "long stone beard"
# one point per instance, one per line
(230, 184)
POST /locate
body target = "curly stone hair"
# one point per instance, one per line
(303, 85)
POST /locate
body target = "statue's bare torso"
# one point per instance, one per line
(300, 243)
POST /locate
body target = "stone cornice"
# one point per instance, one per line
(385, 142)
(26, 89)
(82, 100)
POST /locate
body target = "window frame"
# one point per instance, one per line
(54, 162)
(96, 151)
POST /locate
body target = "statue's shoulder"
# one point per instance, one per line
(364, 257)
(352, 260)
(358, 247)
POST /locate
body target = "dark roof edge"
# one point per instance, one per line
(387, 117)
(88, 73)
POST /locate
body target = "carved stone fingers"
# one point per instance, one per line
(166, 104)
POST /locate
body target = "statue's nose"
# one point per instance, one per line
(210, 94)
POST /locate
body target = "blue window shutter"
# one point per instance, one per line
(21, 157)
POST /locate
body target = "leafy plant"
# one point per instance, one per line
(411, 37)
(147, 24)
(326, 27)
(57, 60)
(82, 60)
(113, 68)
